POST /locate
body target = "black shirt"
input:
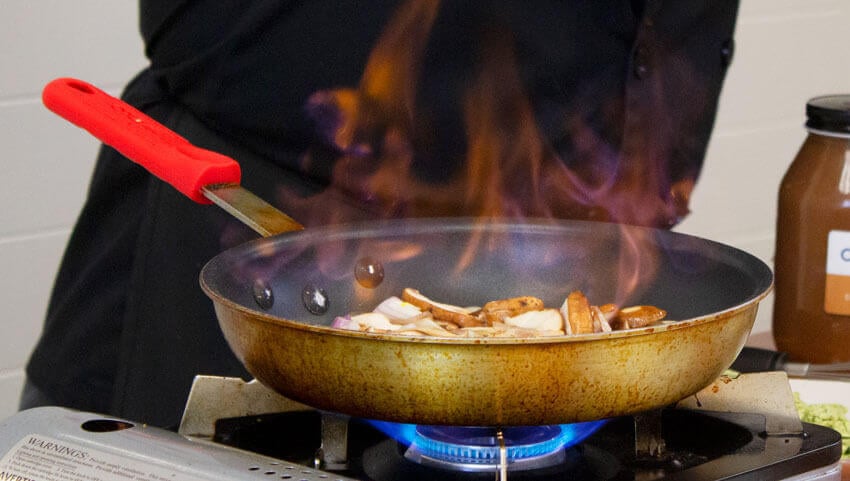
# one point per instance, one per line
(617, 90)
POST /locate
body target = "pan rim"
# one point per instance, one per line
(760, 290)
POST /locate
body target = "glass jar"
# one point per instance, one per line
(811, 315)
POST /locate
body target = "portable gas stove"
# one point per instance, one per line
(743, 429)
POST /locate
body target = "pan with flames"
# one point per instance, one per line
(276, 299)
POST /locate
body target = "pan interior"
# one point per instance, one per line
(467, 262)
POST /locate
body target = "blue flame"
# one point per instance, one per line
(569, 435)
(403, 433)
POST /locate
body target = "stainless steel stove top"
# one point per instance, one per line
(735, 429)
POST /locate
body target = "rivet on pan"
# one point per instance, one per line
(368, 272)
(263, 295)
(315, 299)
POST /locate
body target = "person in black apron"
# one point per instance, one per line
(612, 86)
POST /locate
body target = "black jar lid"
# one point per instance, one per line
(829, 113)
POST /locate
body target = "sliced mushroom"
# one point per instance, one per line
(498, 311)
(441, 312)
(580, 318)
(641, 316)
(609, 311)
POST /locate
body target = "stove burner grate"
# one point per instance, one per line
(694, 442)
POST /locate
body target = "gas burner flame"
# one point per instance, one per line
(469, 448)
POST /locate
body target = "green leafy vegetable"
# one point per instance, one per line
(830, 415)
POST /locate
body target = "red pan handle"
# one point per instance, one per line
(140, 138)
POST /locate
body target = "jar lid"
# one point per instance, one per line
(829, 113)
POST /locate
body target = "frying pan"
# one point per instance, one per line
(276, 298)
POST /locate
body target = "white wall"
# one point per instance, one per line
(46, 161)
(787, 51)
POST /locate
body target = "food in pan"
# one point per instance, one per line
(415, 314)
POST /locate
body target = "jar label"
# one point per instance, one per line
(837, 292)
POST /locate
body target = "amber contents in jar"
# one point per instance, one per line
(811, 315)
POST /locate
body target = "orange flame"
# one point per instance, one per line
(509, 167)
